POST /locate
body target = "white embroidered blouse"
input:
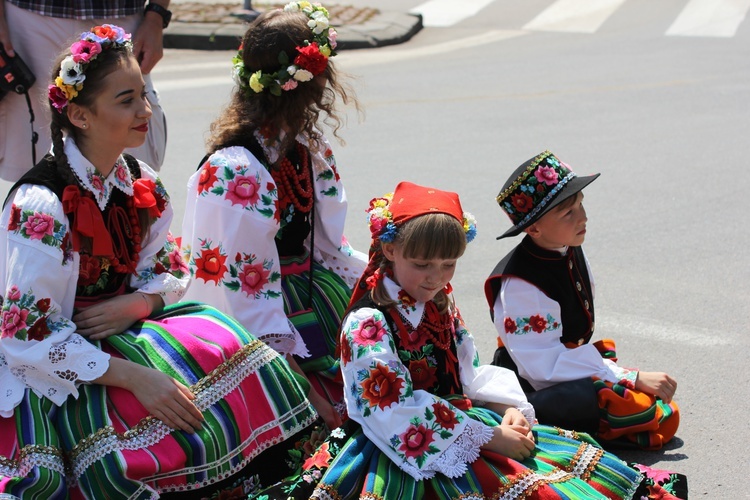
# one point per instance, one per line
(39, 346)
(231, 219)
(538, 353)
(421, 432)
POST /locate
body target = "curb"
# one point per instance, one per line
(387, 28)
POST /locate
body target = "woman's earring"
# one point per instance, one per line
(84, 125)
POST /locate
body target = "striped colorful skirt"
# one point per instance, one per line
(318, 321)
(104, 445)
(564, 465)
(632, 416)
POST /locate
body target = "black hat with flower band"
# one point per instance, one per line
(535, 188)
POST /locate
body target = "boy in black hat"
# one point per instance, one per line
(541, 298)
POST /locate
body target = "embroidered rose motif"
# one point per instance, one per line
(444, 416)
(43, 305)
(383, 387)
(407, 301)
(546, 175)
(207, 177)
(15, 218)
(210, 265)
(97, 183)
(39, 225)
(346, 350)
(89, 271)
(416, 441)
(522, 202)
(253, 278)
(320, 460)
(14, 319)
(510, 325)
(39, 329)
(422, 374)
(14, 293)
(176, 262)
(370, 332)
(122, 174)
(412, 340)
(537, 323)
(243, 190)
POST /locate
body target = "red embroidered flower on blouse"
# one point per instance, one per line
(383, 387)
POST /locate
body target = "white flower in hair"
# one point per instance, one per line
(302, 75)
(71, 72)
(318, 22)
(291, 69)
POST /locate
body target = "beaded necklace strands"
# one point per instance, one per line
(295, 185)
(311, 58)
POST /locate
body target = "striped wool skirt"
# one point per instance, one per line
(564, 465)
(104, 445)
(317, 320)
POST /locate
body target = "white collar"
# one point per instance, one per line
(271, 146)
(410, 309)
(90, 178)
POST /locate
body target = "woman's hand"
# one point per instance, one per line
(657, 384)
(114, 315)
(161, 395)
(510, 441)
(326, 411)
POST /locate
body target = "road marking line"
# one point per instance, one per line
(623, 325)
(716, 18)
(443, 13)
(574, 16)
(192, 83)
(176, 67)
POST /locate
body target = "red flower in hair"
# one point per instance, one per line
(311, 59)
(105, 31)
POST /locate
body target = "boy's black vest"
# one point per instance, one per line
(563, 278)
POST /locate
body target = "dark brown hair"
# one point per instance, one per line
(297, 111)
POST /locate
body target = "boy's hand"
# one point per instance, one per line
(657, 384)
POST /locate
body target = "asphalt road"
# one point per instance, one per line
(663, 117)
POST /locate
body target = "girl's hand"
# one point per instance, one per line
(657, 384)
(510, 441)
(114, 315)
(514, 417)
(161, 395)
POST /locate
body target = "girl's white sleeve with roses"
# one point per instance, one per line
(422, 433)
(39, 348)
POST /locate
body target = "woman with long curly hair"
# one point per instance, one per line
(263, 227)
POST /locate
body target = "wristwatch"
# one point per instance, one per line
(165, 14)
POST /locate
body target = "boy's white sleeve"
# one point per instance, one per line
(530, 326)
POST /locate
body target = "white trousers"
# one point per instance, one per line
(38, 40)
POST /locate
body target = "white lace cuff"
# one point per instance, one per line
(528, 411)
(464, 450)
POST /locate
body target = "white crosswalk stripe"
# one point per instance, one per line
(442, 13)
(575, 16)
(711, 18)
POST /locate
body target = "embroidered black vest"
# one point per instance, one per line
(427, 364)
(563, 278)
(95, 277)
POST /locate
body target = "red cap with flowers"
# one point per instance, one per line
(536, 187)
(83, 54)
(310, 60)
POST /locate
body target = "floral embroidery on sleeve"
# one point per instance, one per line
(169, 259)
(416, 442)
(236, 186)
(379, 387)
(34, 225)
(210, 264)
(21, 310)
(329, 174)
(252, 277)
(535, 323)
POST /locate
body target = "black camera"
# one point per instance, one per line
(15, 76)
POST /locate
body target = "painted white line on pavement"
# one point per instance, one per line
(176, 67)
(574, 16)
(624, 325)
(442, 13)
(716, 18)
(192, 83)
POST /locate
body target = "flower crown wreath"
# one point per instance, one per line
(83, 54)
(383, 228)
(311, 60)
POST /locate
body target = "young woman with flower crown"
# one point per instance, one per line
(430, 421)
(263, 227)
(107, 389)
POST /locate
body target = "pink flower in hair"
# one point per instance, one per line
(291, 84)
(57, 97)
(83, 51)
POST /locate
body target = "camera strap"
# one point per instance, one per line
(34, 135)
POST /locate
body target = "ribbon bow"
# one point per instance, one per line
(144, 196)
(87, 221)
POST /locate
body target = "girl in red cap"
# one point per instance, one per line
(426, 420)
